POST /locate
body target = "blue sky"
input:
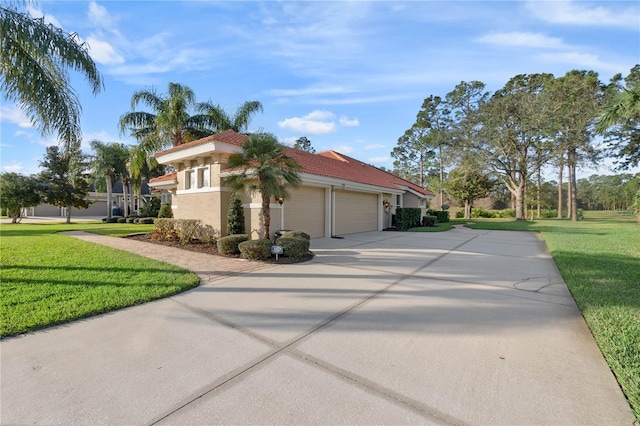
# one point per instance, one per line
(350, 76)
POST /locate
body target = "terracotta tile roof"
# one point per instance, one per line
(164, 178)
(228, 136)
(336, 165)
(329, 164)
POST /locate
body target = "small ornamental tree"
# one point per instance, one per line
(63, 183)
(235, 217)
(16, 193)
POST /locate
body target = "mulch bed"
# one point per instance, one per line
(212, 250)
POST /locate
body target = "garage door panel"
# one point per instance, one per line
(304, 211)
(356, 212)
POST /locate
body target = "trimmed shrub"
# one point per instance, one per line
(429, 220)
(407, 217)
(296, 234)
(113, 219)
(131, 219)
(549, 214)
(442, 216)
(507, 213)
(229, 244)
(165, 211)
(145, 220)
(480, 212)
(122, 220)
(235, 217)
(164, 230)
(187, 229)
(207, 234)
(255, 249)
(293, 247)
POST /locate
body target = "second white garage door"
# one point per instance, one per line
(355, 212)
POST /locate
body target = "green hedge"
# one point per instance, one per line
(255, 249)
(407, 217)
(229, 244)
(429, 220)
(442, 216)
(293, 247)
(296, 234)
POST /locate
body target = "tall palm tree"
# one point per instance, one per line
(108, 164)
(265, 168)
(623, 107)
(35, 59)
(170, 123)
(218, 120)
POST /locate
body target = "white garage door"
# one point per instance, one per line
(304, 211)
(356, 212)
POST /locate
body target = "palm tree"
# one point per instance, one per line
(108, 164)
(34, 62)
(170, 123)
(623, 107)
(218, 120)
(265, 168)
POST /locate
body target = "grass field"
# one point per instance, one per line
(50, 279)
(599, 259)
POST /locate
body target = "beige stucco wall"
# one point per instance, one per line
(210, 207)
(412, 200)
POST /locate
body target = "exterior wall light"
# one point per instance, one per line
(280, 200)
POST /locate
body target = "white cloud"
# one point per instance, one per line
(317, 122)
(580, 60)
(344, 149)
(14, 115)
(525, 39)
(49, 19)
(14, 167)
(373, 146)
(378, 160)
(288, 141)
(99, 16)
(569, 12)
(316, 90)
(345, 121)
(102, 52)
(49, 142)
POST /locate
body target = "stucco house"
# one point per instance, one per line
(98, 205)
(339, 194)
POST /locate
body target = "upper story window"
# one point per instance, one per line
(203, 177)
(197, 178)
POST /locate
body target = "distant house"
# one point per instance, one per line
(339, 194)
(99, 204)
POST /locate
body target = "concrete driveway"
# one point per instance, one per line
(460, 327)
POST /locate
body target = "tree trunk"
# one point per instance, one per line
(125, 205)
(266, 213)
(572, 192)
(538, 193)
(109, 192)
(560, 170)
(69, 214)
(467, 210)
(519, 195)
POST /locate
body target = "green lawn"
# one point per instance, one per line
(50, 279)
(599, 259)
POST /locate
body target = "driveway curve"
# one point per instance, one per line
(460, 327)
